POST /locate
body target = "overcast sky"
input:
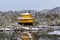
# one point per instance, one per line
(6, 5)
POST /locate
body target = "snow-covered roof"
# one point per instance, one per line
(25, 14)
(24, 18)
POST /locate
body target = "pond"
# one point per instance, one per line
(48, 38)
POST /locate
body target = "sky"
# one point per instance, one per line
(17, 5)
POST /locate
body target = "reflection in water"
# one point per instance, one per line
(48, 38)
(29, 35)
